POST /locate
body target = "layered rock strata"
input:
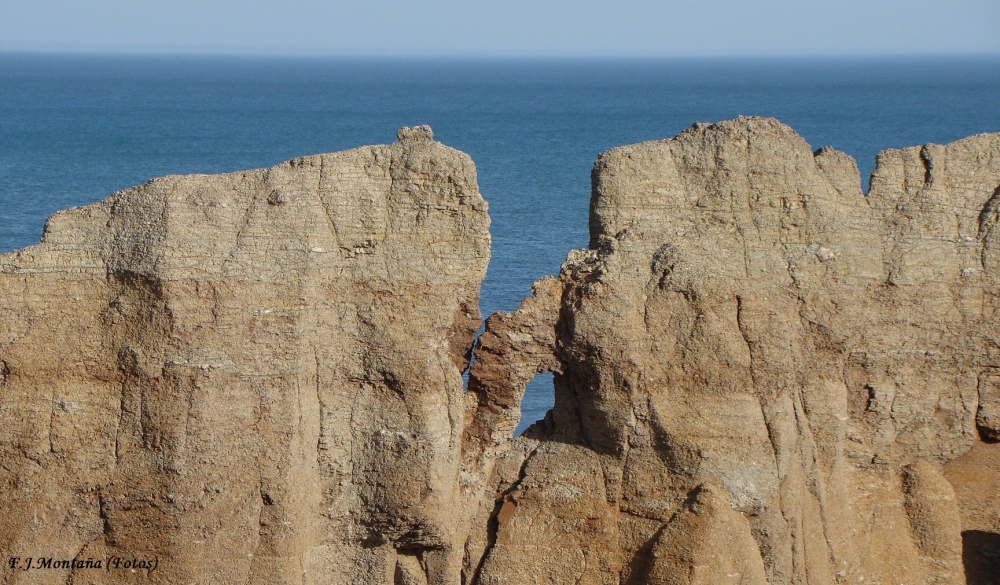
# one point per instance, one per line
(759, 369)
(759, 372)
(254, 377)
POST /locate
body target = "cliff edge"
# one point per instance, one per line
(253, 377)
(763, 375)
(759, 369)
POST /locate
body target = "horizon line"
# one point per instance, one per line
(487, 56)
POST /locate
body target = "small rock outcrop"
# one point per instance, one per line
(254, 377)
(763, 375)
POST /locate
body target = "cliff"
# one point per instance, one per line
(749, 332)
(255, 377)
(762, 374)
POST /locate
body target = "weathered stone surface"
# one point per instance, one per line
(747, 318)
(759, 372)
(706, 543)
(976, 478)
(988, 413)
(934, 521)
(255, 377)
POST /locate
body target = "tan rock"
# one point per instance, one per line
(707, 543)
(976, 479)
(255, 377)
(935, 520)
(759, 369)
(988, 412)
(747, 318)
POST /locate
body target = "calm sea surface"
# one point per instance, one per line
(74, 129)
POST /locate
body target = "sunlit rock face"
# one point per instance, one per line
(759, 372)
(749, 327)
(255, 377)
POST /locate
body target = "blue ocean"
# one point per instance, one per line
(75, 128)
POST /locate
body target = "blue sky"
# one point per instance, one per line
(533, 28)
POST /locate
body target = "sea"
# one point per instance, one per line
(76, 128)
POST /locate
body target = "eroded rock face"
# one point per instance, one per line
(759, 370)
(255, 377)
(748, 324)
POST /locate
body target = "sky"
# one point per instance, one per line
(504, 28)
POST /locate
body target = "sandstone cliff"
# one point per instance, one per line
(255, 377)
(758, 368)
(760, 371)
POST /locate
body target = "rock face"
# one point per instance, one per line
(254, 377)
(748, 329)
(759, 373)
(976, 478)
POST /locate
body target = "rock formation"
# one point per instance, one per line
(749, 328)
(763, 375)
(255, 377)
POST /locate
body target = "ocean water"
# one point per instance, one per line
(74, 129)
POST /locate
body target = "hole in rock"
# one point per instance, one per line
(538, 399)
